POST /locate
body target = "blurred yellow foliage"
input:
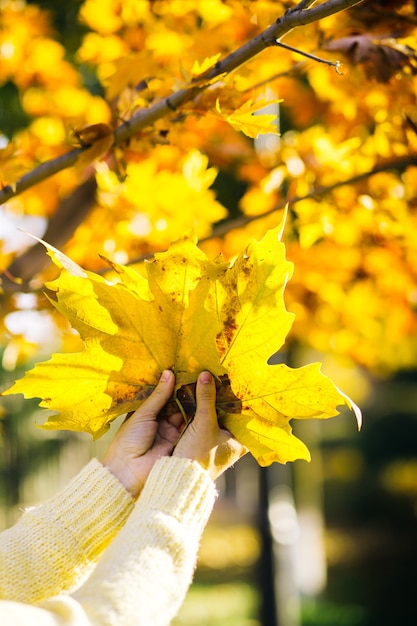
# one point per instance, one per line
(202, 168)
(226, 546)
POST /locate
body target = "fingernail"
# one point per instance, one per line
(165, 376)
(205, 378)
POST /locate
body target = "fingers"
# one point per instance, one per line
(158, 398)
(206, 399)
(206, 410)
(170, 427)
(204, 441)
(176, 419)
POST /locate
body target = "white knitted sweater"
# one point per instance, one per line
(91, 556)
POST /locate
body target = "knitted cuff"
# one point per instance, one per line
(91, 508)
(188, 493)
(53, 546)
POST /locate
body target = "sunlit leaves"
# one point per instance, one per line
(199, 68)
(149, 192)
(249, 120)
(11, 165)
(21, 25)
(353, 247)
(188, 314)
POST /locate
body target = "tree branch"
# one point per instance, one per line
(40, 173)
(71, 212)
(293, 18)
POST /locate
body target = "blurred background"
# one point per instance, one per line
(326, 543)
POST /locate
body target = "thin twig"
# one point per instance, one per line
(292, 70)
(335, 64)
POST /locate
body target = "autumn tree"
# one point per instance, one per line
(207, 118)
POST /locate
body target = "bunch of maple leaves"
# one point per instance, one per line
(188, 314)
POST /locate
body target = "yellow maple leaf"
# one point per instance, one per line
(200, 68)
(187, 314)
(254, 324)
(272, 396)
(132, 331)
(12, 166)
(247, 119)
(97, 139)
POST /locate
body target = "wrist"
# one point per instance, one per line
(206, 463)
(120, 470)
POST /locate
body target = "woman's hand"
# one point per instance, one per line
(203, 440)
(143, 438)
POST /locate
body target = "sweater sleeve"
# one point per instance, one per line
(143, 576)
(53, 547)
(145, 573)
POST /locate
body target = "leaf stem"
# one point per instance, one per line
(182, 411)
(186, 420)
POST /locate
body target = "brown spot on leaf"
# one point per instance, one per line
(226, 400)
(246, 270)
(126, 396)
(229, 329)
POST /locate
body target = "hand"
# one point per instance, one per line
(204, 441)
(142, 439)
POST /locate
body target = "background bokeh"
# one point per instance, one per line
(326, 543)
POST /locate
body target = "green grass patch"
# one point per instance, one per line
(234, 604)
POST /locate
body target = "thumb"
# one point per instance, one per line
(206, 401)
(158, 398)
